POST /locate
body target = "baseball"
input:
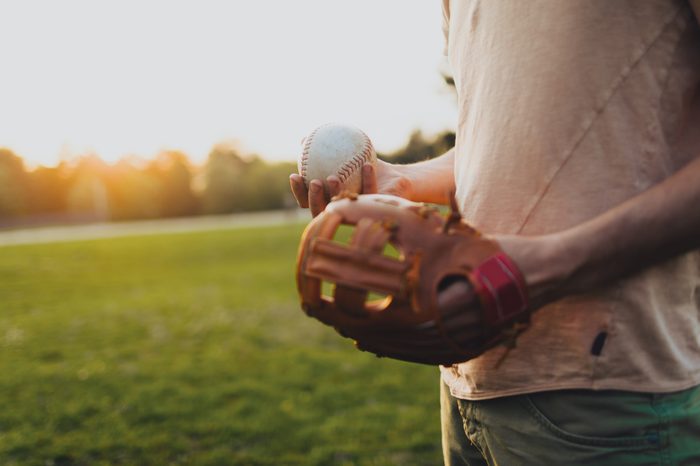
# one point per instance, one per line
(338, 150)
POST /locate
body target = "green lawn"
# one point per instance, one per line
(191, 349)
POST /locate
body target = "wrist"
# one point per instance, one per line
(396, 179)
(545, 263)
(424, 185)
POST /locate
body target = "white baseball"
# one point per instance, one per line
(338, 150)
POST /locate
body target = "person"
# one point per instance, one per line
(578, 150)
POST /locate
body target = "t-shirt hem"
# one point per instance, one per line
(574, 385)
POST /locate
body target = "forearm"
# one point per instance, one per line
(431, 180)
(653, 226)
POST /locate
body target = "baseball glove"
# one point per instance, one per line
(430, 252)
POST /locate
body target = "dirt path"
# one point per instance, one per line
(149, 227)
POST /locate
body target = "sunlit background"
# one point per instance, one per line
(129, 77)
(148, 307)
(134, 110)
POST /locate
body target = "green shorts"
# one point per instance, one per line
(573, 427)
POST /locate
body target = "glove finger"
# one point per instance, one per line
(421, 335)
(426, 334)
(434, 356)
(416, 341)
(330, 315)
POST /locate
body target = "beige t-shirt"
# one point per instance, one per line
(568, 108)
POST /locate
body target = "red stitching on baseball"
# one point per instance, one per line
(359, 159)
(305, 152)
(349, 167)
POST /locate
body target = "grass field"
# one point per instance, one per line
(191, 349)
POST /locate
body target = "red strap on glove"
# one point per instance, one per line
(501, 289)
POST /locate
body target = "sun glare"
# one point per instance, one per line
(131, 77)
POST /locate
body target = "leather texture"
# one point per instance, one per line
(430, 251)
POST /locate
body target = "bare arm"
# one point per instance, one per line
(428, 181)
(655, 225)
(651, 227)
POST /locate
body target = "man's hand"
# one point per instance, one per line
(654, 226)
(386, 178)
(429, 181)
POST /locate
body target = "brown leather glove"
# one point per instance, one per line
(433, 252)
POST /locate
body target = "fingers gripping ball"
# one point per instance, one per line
(430, 252)
(338, 150)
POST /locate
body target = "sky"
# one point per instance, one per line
(134, 77)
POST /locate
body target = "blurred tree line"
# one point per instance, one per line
(88, 189)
